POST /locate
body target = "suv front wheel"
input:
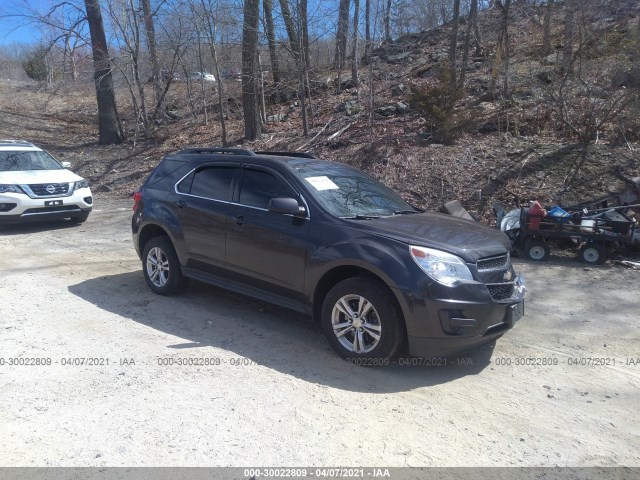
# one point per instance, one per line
(361, 321)
(161, 266)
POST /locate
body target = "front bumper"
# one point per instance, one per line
(443, 321)
(20, 208)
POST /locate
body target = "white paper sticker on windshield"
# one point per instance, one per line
(322, 183)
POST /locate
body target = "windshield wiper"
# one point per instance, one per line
(405, 212)
(362, 217)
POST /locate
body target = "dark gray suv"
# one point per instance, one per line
(328, 240)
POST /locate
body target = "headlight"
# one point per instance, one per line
(10, 189)
(441, 266)
(81, 184)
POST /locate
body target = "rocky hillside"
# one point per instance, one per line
(529, 143)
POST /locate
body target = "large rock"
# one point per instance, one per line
(350, 107)
(387, 110)
(398, 90)
(345, 81)
(402, 108)
(404, 57)
(545, 76)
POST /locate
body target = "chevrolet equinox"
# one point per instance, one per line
(328, 240)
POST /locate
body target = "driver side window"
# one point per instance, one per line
(258, 187)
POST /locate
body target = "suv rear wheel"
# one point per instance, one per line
(360, 320)
(161, 267)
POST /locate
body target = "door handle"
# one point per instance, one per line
(239, 220)
(181, 203)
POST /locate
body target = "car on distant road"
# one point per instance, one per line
(327, 240)
(35, 186)
(202, 76)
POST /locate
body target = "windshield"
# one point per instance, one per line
(347, 192)
(27, 160)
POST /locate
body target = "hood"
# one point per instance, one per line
(465, 238)
(38, 176)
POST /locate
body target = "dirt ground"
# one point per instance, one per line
(273, 392)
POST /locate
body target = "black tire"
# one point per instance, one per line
(383, 319)
(167, 279)
(80, 218)
(536, 250)
(593, 254)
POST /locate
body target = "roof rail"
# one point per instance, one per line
(222, 150)
(287, 154)
(16, 142)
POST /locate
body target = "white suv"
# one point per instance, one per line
(35, 186)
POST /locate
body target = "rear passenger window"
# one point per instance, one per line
(259, 187)
(211, 182)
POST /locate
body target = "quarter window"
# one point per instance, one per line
(258, 187)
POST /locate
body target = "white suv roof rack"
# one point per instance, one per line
(10, 142)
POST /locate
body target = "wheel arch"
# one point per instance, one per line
(339, 273)
(150, 231)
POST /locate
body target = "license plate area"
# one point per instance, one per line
(515, 313)
(52, 203)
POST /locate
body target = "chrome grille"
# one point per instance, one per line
(49, 189)
(501, 291)
(493, 263)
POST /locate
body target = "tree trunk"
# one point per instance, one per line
(290, 27)
(341, 36)
(211, 34)
(453, 47)
(110, 130)
(473, 18)
(304, 31)
(502, 48)
(153, 55)
(567, 49)
(354, 47)
(467, 45)
(387, 22)
(367, 31)
(252, 123)
(546, 27)
(271, 39)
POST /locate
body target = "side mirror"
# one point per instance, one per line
(66, 165)
(286, 206)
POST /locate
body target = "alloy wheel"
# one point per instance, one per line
(356, 323)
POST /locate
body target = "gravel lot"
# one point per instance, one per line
(276, 394)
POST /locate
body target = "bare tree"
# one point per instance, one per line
(473, 20)
(501, 60)
(153, 55)
(354, 47)
(123, 15)
(267, 6)
(304, 31)
(252, 122)
(110, 130)
(387, 22)
(453, 47)
(290, 27)
(209, 18)
(367, 31)
(471, 24)
(341, 35)
(569, 25)
(546, 28)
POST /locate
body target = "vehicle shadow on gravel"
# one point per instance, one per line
(36, 227)
(251, 331)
